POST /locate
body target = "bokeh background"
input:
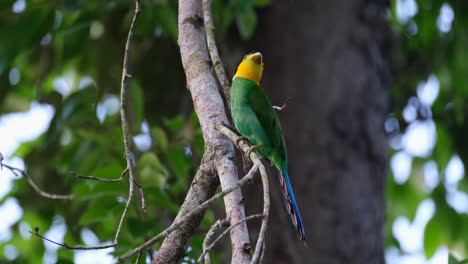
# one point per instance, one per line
(60, 70)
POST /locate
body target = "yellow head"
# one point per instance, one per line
(251, 67)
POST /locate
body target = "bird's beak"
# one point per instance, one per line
(257, 58)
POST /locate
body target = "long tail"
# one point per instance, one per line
(291, 204)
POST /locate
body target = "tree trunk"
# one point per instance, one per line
(329, 57)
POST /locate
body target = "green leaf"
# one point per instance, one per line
(404, 199)
(152, 171)
(174, 124)
(246, 22)
(261, 3)
(452, 259)
(100, 209)
(137, 99)
(179, 162)
(160, 137)
(25, 32)
(443, 150)
(434, 234)
(89, 189)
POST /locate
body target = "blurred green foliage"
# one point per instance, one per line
(69, 54)
(431, 39)
(454, 260)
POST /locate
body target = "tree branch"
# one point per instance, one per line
(213, 50)
(65, 245)
(260, 247)
(210, 109)
(209, 236)
(281, 108)
(187, 218)
(36, 188)
(129, 155)
(255, 158)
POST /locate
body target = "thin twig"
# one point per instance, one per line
(207, 248)
(281, 108)
(138, 258)
(118, 180)
(141, 192)
(129, 156)
(213, 50)
(186, 217)
(266, 211)
(64, 245)
(209, 236)
(263, 252)
(266, 193)
(18, 171)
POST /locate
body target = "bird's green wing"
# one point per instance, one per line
(266, 115)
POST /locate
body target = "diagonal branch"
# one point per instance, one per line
(207, 247)
(213, 50)
(210, 110)
(65, 245)
(260, 247)
(220, 224)
(183, 220)
(36, 188)
(255, 158)
(129, 155)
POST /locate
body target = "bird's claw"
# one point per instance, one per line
(239, 139)
(251, 149)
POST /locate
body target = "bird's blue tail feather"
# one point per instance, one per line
(291, 204)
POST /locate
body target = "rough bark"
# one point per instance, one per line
(219, 151)
(329, 56)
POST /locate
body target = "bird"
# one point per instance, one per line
(256, 120)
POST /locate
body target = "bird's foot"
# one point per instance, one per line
(231, 127)
(239, 139)
(251, 149)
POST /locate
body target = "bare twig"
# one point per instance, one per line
(118, 180)
(141, 192)
(209, 236)
(18, 172)
(227, 171)
(213, 50)
(195, 211)
(129, 156)
(263, 252)
(138, 258)
(281, 108)
(207, 247)
(266, 211)
(266, 194)
(210, 108)
(64, 245)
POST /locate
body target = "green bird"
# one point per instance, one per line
(256, 120)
